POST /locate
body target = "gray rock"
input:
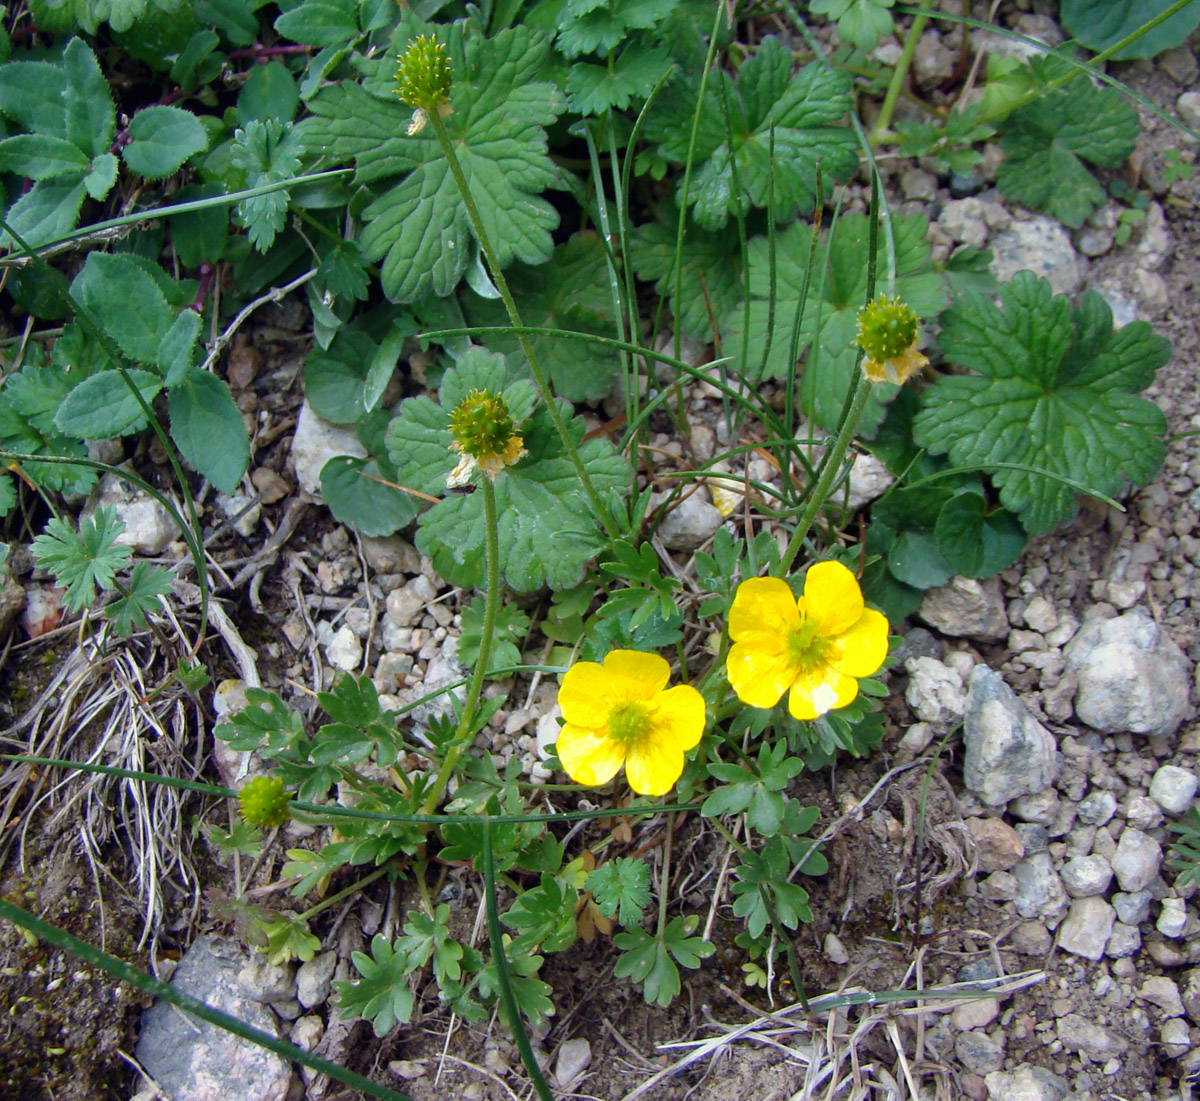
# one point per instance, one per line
(997, 845)
(1008, 752)
(1160, 991)
(1087, 927)
(869, 479)
(1086, 876)
(1175, 1037)
(967, 608)
(244, 512)
(1190, 994)
(344, 650)
(1137, 860)
(1033, 836)
(691, 523)
(1000, 887)
(574, 1057)
(1039, 890)
(148, 526)
(1041, 246)
(1123, 942)
(1097, 807)
(1142, 813)
(1079, 1034)
(1026, 1083)
(314, 443)
(1188, 106)
(1180, 65)
(1132, 907)
(979, 1052)
(1041, 808)
(1132, 676)
(193, 1060)
(935, 691)
(1172, 920)
(264, 981)
(1173, 788)
(406, 604)
(314, 978)
(835, 950)
(916, 183)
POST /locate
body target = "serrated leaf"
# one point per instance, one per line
(569, 292)
(1055, 390)
(31, 94)
(1046, 142)
(841, 271)
(288, 939)
(860, 23)
(177, 347)
(85, 559)
(1099, 24)
(598, 26)
(127, 301)
(382, 996)
(975, 541)
(208, 429)
(320, 22)
(199, 236)
(100, 179)
(593, 89)
(269, 151)
(102, 406)
(145, 585)
(418, 227)
(511, 627)
(162, 139)
(90, 115)
(47, 211)
(349, 488)
(621, 888)
(41, 157)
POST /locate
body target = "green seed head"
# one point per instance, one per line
(886, 328)
(482, 425)
(425, 76)
(264, 803)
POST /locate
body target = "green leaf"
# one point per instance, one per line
(82, 560)
(288, 939)
(800, 112)
(547, 531)
(593, 89)
(544, 916)
(8, 498)
(102, 406)
(975, 541)
(100, 179)
(598, 26)
(1055, 390)
(178, 344)
(47, 211)
(1099, 24)
(915, 559)
(208, 429)
(269, 152)
(418, 226)
(41, 157)
(1046, 142)
(269, 93)
(127, 301)
(648, 959)
(162, 139)
(621, 888)
(762, 874)
(512, 625)
(837, 290)
(91, 116)
(32, 94)
(383, 362)
(349, 488)
(199, 236)
(570, 292)
(146, 584)
(334, 379)
(426, 936)
(320, 22)
(860, 23)
(382, 996)
(711, 283)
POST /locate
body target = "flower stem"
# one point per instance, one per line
(535, 369)
(829, 468)
(491, 609)
(900, 73)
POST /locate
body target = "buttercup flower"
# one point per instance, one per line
(264, 803)
(816, 646)
(622, 713)
(887, 332)
(424, 80)
(485, 435)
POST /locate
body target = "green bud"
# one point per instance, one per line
(264, 803)
(886, 328)
(425, 76)
(482, 425)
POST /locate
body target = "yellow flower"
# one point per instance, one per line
(887, 332)
(622, 713)
(815, 646)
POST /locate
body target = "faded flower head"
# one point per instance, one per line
(814, 647)
(887, 332)
(623, 713)
(264, 803)
(424, 80)
(485, 435)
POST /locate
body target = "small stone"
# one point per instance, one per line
(148, 525)
(1086, 929)
(869, 480)
(1008, 752)
(264, 981)
(574, 1057)
(1034, 837)
(1179, 63)
(1123, 942)
(344, 650)
(997, 845)
(1188, 106)
(1160, 991)
(1173, 788)
(692, 521)
(1137, 860)
(1032, 938)
(1000, 887)
(1026, 1083)
(916, 183)
(1039, 245)
(1077, 1033)
(974, 1014)
(1176, 1038)
(316, 441)
(1143, 813)
(1132, 677)
(1040, 892)
(1165, 953)
(935, 692)
(314, 978)
(406, 605)
(307, 1032)
(1133, 908)
(244, 513)
(967, 608)
(835, 950)
(1173, 919)
(1040, 615)
(1097, 808)
(916, 740)
(979, 1052)
(390, 554)
(1190, 995)
(1086, 876)
(1041, 808)
(271, 487)
(407, 1070)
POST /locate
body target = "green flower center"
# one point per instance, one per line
(424, 76)
(482, 424)
(886, 327)
(806, 649)
(629, 722)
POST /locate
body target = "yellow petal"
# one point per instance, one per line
(633, 675)
(832, 598)
(679, 717)
(763, 604)
(860, 651)
(759, 670)
(586, 695)
(819, 691)
(588, 756)
(652, 766)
